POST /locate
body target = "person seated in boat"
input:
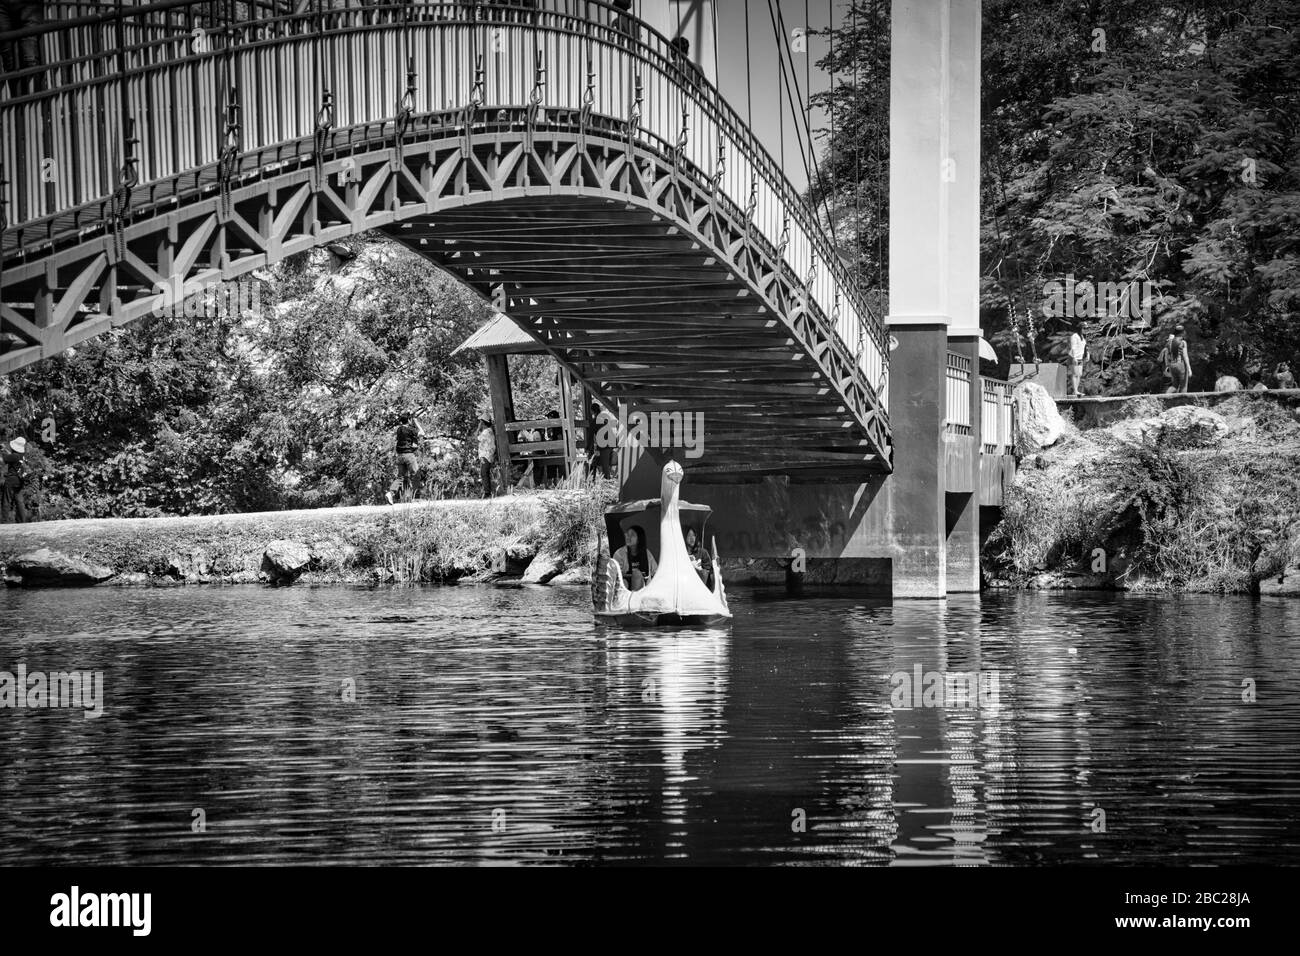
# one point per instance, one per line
(635, 560)
(701, 560)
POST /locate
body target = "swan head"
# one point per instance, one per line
(674, 473)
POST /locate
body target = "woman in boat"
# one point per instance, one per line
(635, 560)
(701, 561)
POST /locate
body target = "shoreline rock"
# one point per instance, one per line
(1038, 423)
(546, 566)
(46, 567)
(284, 561)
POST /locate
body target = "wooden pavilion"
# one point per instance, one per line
(564, 441)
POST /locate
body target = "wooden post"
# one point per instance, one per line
(503, 411)
(566, 416)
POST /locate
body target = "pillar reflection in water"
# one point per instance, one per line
(940, 797)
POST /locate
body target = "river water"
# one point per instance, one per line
(498, 725)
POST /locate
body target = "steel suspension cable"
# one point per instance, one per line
(807, 73)
(792, 81)
(857, 147)
(780, 92)
(830, 34)
(784, 94)
(796, 111)
(749, 87)
(717, 67)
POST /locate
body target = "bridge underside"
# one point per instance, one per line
(645, 313)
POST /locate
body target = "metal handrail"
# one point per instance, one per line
(957, 383)
(996, 416)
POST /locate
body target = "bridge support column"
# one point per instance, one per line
(934, 173)
(916, 410)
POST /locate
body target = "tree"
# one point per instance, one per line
(288, 399)
(1123, 142)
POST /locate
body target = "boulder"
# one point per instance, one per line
(283, 561)
(1227, 383)
(518, 556)
(1136, 431)
(182, 567)
(131, 579)
(543, 568)
(575, 575)
(1286, 584)
(332, 555)
(1188, 426)
(523, 551)
(1184, 426)
(48, 568)
(1038, 423)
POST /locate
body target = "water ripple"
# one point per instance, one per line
(486, 726)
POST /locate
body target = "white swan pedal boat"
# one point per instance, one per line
(675, 595)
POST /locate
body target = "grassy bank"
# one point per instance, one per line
(435, 541)
(1160, 499)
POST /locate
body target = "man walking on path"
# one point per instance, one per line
(16, 472)
(1176, 361)
(409, 434)
(487, 453)
(1078, 356)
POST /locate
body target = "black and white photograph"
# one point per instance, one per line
(645, 435)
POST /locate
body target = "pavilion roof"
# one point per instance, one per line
(500, 336)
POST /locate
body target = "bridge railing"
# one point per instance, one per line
(996, 408)
(149, 97)
(957, 413)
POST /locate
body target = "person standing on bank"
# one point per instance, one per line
(16, 473)
(1078, 357)
(487, 453)
(1176, 361)
(409, 434)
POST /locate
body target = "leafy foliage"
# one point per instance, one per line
(289, 402)
(1122, 141)
(1168, 514)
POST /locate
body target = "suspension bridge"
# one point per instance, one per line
(570, 161)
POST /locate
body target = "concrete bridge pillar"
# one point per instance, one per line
(934, 180)
(963, 100)
(916, 412)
